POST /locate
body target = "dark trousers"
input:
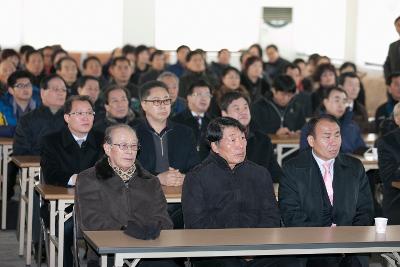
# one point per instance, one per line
(12, 171)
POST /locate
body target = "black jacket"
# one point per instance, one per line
(392, 62)
(190, 77)
(260, 150)
(186, 118)
(303, 199)
(215, 196)
(383, 112)
(104, 120)
(182, 152)
(150, 75)
(268, 118)
(257, 90)
(389, 170)
(61, 156)
(32, 127)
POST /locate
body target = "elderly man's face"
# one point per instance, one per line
(118, 104)
(123, 148)
(326, 141)
(173, 87)
(232, 146)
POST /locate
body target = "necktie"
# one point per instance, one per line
(198, 118)
(328, 180)
(80, 141)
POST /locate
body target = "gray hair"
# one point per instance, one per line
(110, 130)
(167, 74)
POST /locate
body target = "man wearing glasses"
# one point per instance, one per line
(69, 151)
(195, 116)
(168, 149)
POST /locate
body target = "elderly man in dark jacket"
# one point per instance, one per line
(228, 191)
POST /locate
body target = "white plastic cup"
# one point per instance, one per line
(380, 225)
(375, 153)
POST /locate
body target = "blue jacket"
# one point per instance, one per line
(349, 130)
(9, 113)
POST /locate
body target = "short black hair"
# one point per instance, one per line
(61, 60)
(83, 79)
(182, 47)
(298, 60)
(222, 50)
(44, 83)
(273, 47)
(348, 64)
(156, 53)
(284, 83)
(140, 48)
(228, 69)
(250, 61)
(198, 83)
(12, 79)
(192, 54)
(128, 49)
(315, 120)
(72, 99)
(229, 97)
(344, 76)
(115, 60)
(321, 69)
(29, 53)
(114, 87)
(215, 129)
(291, 66)
(144, 91)
(8, 52)
(329, 90)
(25, 48)
(391, 76)
(86, 61)
(258, 47)
(397, 19)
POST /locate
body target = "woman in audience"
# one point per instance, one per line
(252, 80)
(230, 82)
(117, 193)
(335, 103)
(351, 67)
(325, 75)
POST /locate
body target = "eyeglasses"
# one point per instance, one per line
(82, 113)
(208, 95)
(158, 102)
(125, 146)
(23, 85)
(57, 90)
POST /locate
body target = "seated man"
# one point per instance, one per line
(196, 116)
(69, 151)
(322, 187)
(334, 103)
(283, 115)
(90, 86)
(116, 100)
(67, 68)
(385, 110)
(157, 66)
(17, 102)
(172, 82)
(259, 148)
(121, 70)
(389, 162)
(350, 83)
(168, 148)
(179, 67)
(91, 66)
(228, 191)
(102, 191)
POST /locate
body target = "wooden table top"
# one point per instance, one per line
(300, 238)
(51, 192)
(26, 161)
(6, 141)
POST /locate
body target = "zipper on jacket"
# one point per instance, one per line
(281, 116)
(161, 141)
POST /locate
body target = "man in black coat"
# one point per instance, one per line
(389, 162)
(321, 187)
(259, 147)
(168, 149)
(68, 152)
(228, 191)
(196, 116)
(283, 114)
(392, 63)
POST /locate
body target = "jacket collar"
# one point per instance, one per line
(68, 140)
(305, 159)
(105, 172)
(221, 162)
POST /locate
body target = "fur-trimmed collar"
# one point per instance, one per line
(104, 170)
